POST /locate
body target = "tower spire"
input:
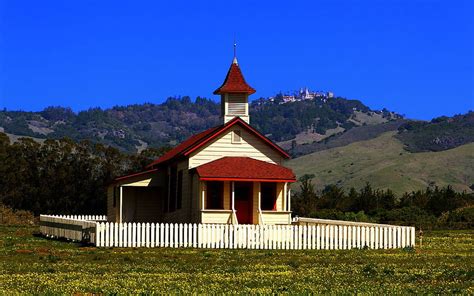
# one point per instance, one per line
(235, 53)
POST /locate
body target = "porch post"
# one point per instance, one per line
(202, 195)
(285, 197)
(232, 202)
(259, 196)
(260, 216)
(289, 200)
(121, 203)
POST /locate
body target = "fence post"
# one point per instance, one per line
(231, 236)
(340, 235)
(350, 237)
(371, 237)
(378, 237)
(161, 229)
(147, 235)
(403, 236)
(395, 237)
(119, 238)
(107, 234)
(157, 234)
(205, 236)
(192, 234)
(185, 227)
(126, 235)
(239, 236)
(211, 232)
(100, 233)
(246, 237)
(139, 235)
(134, 234)
(152, 235)
(219, 236)
(323, 237)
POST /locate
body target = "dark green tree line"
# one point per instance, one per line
(61, 176)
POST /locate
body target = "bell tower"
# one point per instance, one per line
(234, 94)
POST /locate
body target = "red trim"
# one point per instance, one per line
(133, 175)
(247, 180)
(228, 126)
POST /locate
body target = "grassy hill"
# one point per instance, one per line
(356, 134)
(385, 163)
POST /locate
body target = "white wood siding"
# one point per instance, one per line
(275, 217)
(250, 146)
(217, 216)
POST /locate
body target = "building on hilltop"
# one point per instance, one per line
(227, 174)
(305, 94)
(288, 99)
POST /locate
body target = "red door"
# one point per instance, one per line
(243, 201)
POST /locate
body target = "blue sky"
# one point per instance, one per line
(413, 57)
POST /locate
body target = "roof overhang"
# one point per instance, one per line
(244, 169)
(133, 177)
(248, 180)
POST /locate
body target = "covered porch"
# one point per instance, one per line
(136, 198)
(241, 190)
(245, 202)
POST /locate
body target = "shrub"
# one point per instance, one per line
(408, 216)
(462, 218)
(339, 215)
(9, 216)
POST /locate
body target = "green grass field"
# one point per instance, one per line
(35, 265)
(385, 163)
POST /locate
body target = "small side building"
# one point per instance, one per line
(230, 173)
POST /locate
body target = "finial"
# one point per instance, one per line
(235, 53)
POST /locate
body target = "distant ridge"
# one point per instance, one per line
(300, 127)
(131, 128)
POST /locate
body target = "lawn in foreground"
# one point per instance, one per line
(30, 264)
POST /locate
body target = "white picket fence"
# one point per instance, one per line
(72, 227)
(79, 217)
(309, 234)
(216, 236)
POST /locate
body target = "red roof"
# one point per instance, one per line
(234, 82)
(244, 169)
(197, 141)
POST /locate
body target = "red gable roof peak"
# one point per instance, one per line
(197, 141)
(234, 81)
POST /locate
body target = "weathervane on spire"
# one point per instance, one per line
(235, 52)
